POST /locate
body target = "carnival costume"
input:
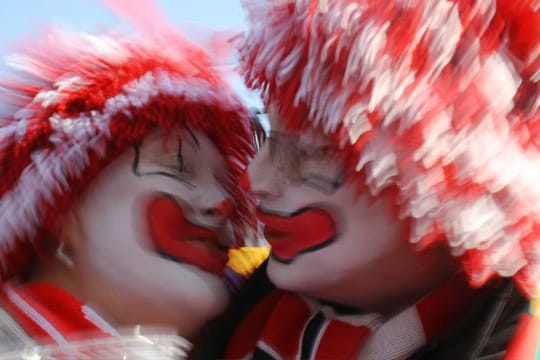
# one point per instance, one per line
(70, 106)
(437, 100)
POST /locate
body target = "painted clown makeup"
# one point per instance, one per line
(180, 229)
(433, 108)
(178, 239)
(324, 234)
(119, 178)
(161, 207)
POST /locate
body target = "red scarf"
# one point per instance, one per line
(50, 315)
(284, 325)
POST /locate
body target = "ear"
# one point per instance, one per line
(69, 232)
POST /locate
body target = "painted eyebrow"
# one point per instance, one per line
(192, 138)
(136, 171)
(179, 156)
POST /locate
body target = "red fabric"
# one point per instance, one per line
(524, 343)
(60, 309)
(455, 296)
(279, 324)
(249, 331)
(30, 327)
(333, 346)
(283, 330)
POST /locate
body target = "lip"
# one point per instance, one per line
(305, 230)
(176, 238)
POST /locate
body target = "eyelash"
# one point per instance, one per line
(181, 170)
(183, 173)
(182, 166)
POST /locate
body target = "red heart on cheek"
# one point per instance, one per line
(175, 237)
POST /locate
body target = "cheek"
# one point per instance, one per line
(368, 234)
(116, 244)
(313, 271)
(109, 222)
(115, 230)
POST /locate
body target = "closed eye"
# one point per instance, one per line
(165, 166)
(323, 184)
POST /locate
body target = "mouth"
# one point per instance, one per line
(176, 238)
(274, 234)
(290, 235)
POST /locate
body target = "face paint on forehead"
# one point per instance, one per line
(183, 158)
(172, 165)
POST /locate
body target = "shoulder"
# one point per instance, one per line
(487, 333)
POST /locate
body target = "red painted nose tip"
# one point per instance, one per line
(226, 208)
(245, 183)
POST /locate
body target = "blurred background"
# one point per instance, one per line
(19, 18)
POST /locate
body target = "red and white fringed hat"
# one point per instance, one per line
(437, 98)
(75, 102)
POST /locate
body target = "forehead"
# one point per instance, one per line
(194, 143)
(302, 137)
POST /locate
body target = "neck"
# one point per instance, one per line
(386, 303)
(54, 272)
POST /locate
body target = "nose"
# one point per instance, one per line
(212, 207)
(262, 179)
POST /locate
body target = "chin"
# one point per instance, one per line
(292, 277)
(185, 304)
(191, 322)
(187, 315)
(207, 297)
(310, 278)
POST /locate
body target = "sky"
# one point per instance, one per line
(20, 18)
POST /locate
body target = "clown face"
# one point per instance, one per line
(328, 240)
(151, 234)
